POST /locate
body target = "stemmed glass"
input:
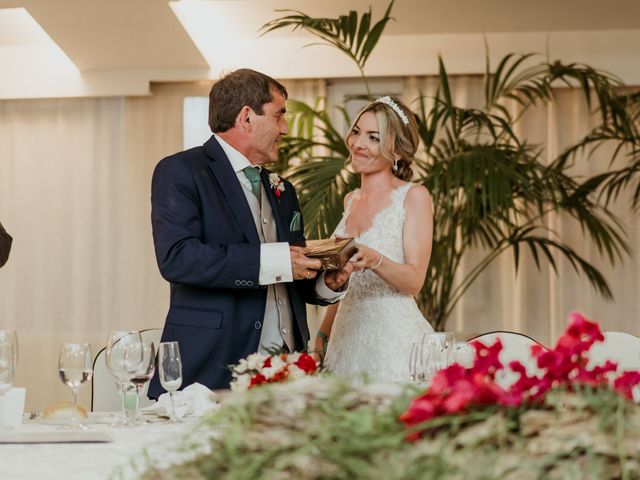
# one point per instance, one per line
(440, 346)
(7, 368)
(170, 372)
(123, 358)
(11, 337)
(75, 365)
(415, 366)
(144, 372)
(419, 361)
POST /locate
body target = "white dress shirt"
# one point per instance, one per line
(275, 258)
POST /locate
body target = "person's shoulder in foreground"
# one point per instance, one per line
(5, 245)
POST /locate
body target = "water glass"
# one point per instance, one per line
(418, 361)
(170, 372)
(75, 368)
(11, 337)
(123, 358)
(7, 369)
(442, 343)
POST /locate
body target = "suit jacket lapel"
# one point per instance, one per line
(231, 188)
(276, 207)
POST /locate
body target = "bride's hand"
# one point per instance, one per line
(367, 257)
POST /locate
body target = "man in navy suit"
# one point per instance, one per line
(5, 245)
(223, 230)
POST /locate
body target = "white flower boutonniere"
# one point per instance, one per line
(277, 185)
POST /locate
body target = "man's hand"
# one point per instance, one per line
(302, 266)
(336, 279)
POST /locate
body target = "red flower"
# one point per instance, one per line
(625, 384)
(454, 389)
(420, 410)
(280, 375)
(257, 379)
(487, 358)
(306, 363)
(276, 184)
(530, 387)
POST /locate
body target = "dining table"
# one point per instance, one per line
(38, 450)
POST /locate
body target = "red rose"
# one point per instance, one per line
(306, 363)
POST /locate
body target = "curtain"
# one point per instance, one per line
(74, 194)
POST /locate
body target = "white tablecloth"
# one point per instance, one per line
(87, 461)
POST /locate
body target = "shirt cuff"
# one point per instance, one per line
(325, 293)
(275, 263)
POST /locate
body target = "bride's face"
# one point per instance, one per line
(364, 145)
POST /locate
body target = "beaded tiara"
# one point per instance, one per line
(396, 108)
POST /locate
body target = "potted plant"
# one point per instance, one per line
(492, 189)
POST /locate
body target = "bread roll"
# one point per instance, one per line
(62, 410)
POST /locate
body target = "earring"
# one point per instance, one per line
(395, 165)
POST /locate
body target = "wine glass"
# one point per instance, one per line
(419, 361)
(170, 372)
(11, 337)
(123, 357)
(75, 366)
(414, 367)
(440, 346)
(144, 372)
(7, 368)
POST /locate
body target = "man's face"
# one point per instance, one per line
(267, 130)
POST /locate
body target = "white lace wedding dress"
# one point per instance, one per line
(375, 323)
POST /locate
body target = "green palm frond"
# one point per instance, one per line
(614, 181)
(512, 80)
(355, 36)
(545, 246)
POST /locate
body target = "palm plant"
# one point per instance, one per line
(491, 190)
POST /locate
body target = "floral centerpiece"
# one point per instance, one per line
(569, 421)
(258, 369)
(456, 389)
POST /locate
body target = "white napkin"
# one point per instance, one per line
(193, 401)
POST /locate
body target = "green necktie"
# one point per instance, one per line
(253, 175)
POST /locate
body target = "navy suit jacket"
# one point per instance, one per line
(207, 247)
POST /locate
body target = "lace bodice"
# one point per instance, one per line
(375, 323)
(384, 235)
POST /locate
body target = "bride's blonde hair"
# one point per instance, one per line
(402, 137)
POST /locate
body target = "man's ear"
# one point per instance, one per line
(243, 120)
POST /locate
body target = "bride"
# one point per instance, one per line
(369, 333)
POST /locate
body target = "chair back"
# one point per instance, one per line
(515, 346)
(620, 347)
(104, 392)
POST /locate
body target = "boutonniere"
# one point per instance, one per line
(277, 185)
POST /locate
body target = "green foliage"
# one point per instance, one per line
(325, 428)
(493, 191)
(355, 36)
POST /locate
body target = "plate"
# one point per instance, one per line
(63, 421)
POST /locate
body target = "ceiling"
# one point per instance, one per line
(143, 40)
